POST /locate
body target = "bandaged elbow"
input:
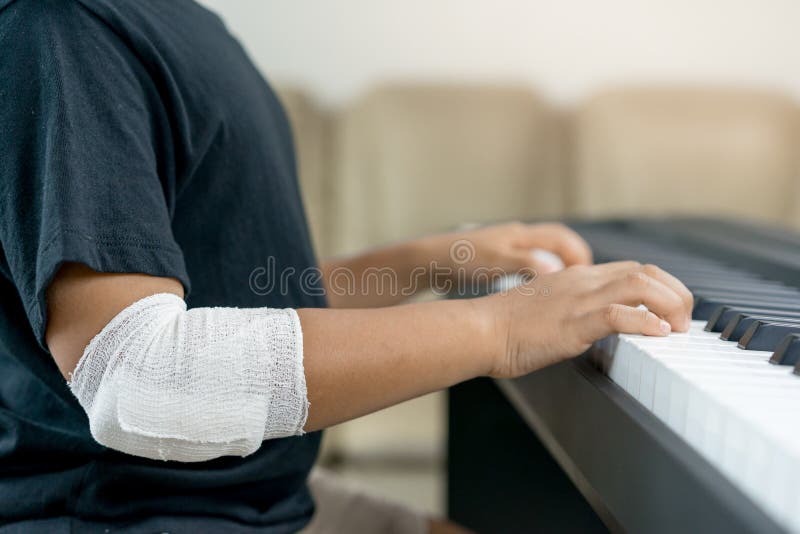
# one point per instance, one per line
(166, 383)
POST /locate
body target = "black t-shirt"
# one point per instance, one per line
(137, 136)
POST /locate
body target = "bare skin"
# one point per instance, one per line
(361, 359)
(501, 248)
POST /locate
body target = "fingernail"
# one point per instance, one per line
(547, 268)
(665, 327)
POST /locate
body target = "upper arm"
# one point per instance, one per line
(86, 183)
(81, 301)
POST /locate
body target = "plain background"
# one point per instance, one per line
(566, 49)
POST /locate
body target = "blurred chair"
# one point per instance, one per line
(675, 151)
(412, 160)
(413, 431)
(311, 129)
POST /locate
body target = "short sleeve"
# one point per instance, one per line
(84, 153)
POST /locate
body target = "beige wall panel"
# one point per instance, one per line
(413, 160)
(311, 128)
(666, 151)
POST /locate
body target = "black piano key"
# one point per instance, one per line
(716, 277)
(715, 319)
(722, 316)
(766, 301)
(788, 352)
(705, 306)
(750, 291)
(763, 335)
(737, 326)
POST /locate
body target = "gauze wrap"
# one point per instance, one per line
(166, 383)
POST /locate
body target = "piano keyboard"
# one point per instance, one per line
(729, 386)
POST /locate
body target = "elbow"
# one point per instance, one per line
(164, 383)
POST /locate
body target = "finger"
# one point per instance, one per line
(616, 267)
(599, 275)
(620, 267)
(676, 285)
(636, 287)
(528, 261)
(553, 261)
(618, 318)
(556, 238)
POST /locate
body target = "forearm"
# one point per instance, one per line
(383, 276)
(388, 275)
(165, 382)
(161, 381)
(359, 361)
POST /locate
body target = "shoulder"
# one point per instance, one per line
(36, 14)
(42, 35)
(57, 55)
(26, 24)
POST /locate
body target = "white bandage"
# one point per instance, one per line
(166, 383)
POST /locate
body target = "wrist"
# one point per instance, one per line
(442, 268)
(489, 326)
(431, 250)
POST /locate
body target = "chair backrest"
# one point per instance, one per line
(311, 129)
(413, 160)
(672, 151)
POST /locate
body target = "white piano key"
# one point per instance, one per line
(737, 410)
(634, 372)
(647, 382)
(696, 414)
(678, 396)
(756, 469)
(663, 382)
(734, 447)
(618, 365)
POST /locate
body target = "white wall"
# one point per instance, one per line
(565, 48)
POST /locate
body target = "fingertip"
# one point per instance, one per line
(546, 261)
(547, 268)
(664, 327)
(578, 259)
(583, 252)
(584, 255)
(654, 325)
(681, 324)
(584, 259)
